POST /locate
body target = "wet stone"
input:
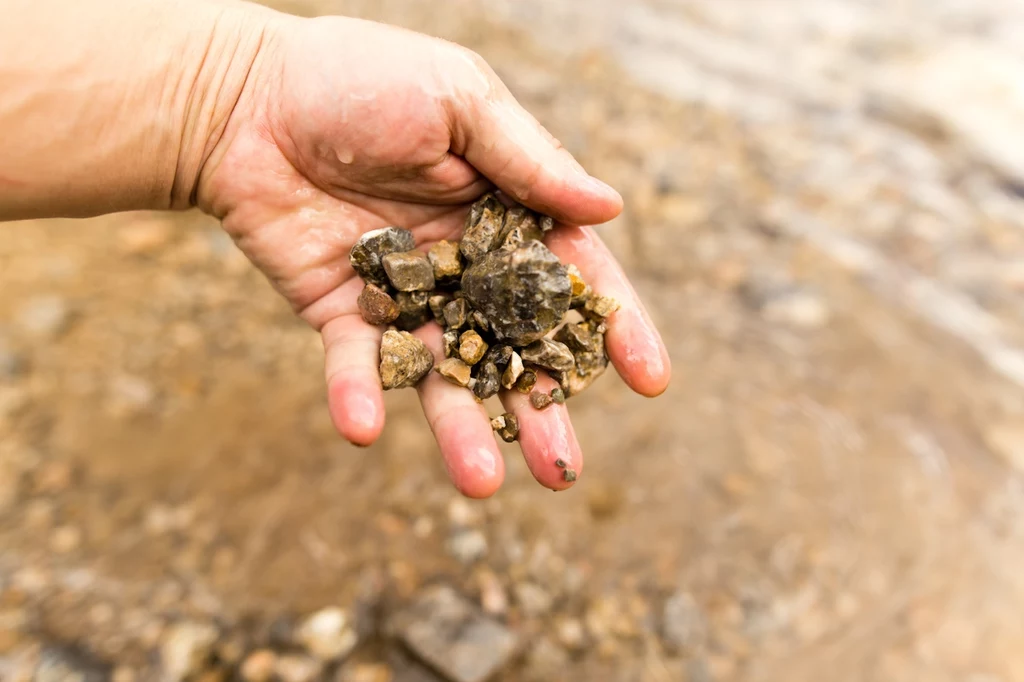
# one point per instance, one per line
(549, 354)
(506, 426)
(477, 320)
(512, 372)
(524, 293)
(404, 360)
(376, 306)
(472, 347)
(580, 290)
(521, 225)
(409, 271)
(499, 355)
(488, 381)
(526, 381)
(540, 400)
(413, 310)
(455, 371)
(558, 396)
(569, 475)
(573, 382)
(437, 303)
(601, 306)
(448, 633)
(446, 260)
(483, 229)
(547, 223)
(456, 313)
(450, 342)
(367, 253)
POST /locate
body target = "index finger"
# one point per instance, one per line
(633, 343)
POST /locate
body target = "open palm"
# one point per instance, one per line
(345, 126)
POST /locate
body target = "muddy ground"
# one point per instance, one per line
(830, 488)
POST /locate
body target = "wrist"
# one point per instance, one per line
(226, 58)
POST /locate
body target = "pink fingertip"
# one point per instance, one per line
(358, 414)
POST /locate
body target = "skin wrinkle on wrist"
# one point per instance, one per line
(238, 35)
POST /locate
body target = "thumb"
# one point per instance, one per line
(506, 144)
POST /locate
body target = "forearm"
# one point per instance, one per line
(112, 106)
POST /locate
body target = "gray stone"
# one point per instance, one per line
(409, 271)
(467, 545)
(448, 633)
(413, 310)
(483, 229)
(524, 293)
(367, 253)
(549, 354)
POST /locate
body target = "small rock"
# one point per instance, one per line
(573, 382)
(601, 306)
(532, 599)
(413, 310)
(404, 360)
(571, 634)
(456, 314)
(478, 321)
(450, 341)
(579, 290)
(186, 649)
(569, 475)
(520, 225)
(527, 380)
(558, 396)
(483, 229)
(437, 303)
(488, 381)
(472, 347)
(449, 634)
(409, 271)
(512, 372)
(44, 317)
(467, 546)
(549, 354)
(540, 400)
(65, 539)
(67, 664)
(499, 354)
(506, 426)
(294, 668)
(328, 634)
(376, 306)
(366, 672)
(455, 371)
(462, 514)
(493, 599)
(259, 666)
(683, 625)
(447, 262)
(145, 237)
(798, 308)
(524, 293)
(367, 254)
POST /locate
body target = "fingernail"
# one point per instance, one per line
(599, 187)
(362, 411)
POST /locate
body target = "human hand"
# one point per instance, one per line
(344, 126)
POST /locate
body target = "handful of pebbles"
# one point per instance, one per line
(508, 306)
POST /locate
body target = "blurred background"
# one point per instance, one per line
(825, 215)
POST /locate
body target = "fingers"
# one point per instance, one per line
(546, 438)
(633, 343)
(505, 143)
(354, 395)
(461, 427)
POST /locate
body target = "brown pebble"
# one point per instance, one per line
(506, 426)
(472, 347)
(437, 303)
(455, 371)
(540, 400)
(513, 371)
(404, 360)
(560, 463)
(483, 228)
(527, 380)
(413, 310)
(409, 271)
(447, 262)
(456, 313)
(569, 475)
(450, 341)
(601, 306)
(488, 381)
(549, 354)
(376, 306)
(558, 396)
